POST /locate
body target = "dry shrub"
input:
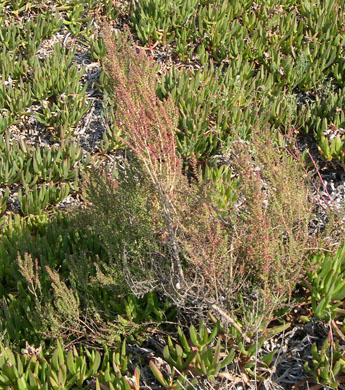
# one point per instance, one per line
(272, 228)
(259, 249)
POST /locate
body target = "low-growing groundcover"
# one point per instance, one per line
(203, 216)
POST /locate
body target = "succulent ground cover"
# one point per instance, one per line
(161, 224)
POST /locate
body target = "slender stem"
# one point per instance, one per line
(320, 177)
(175, 250)
(232, 322)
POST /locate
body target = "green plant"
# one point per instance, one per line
(37, 299)
(327, 365)
(15, 98)
(63, 370)
(144, 310)
(327, 283)
(97, 49)
(56, 84)
(204, 355)
(75, 17)
(37, 200)
(190, 361)
(209, 103)
(112, 135)
(3, 200)
(161, 20)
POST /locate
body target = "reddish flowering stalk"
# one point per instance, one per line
(148, 123)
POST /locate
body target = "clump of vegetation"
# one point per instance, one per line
(165, 231)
